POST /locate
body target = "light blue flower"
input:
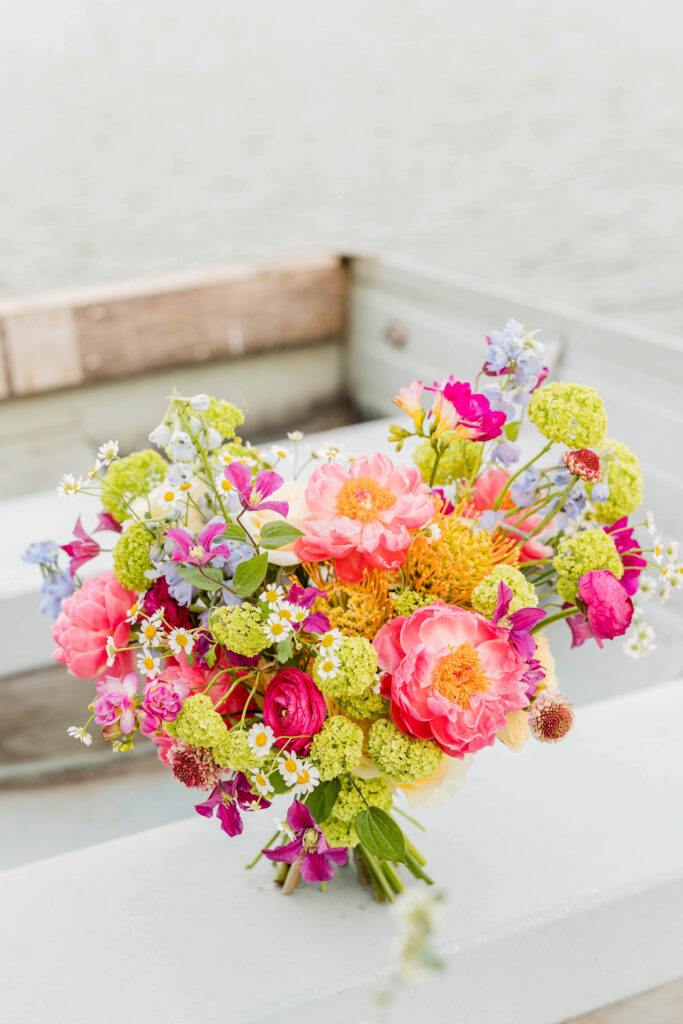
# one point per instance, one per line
(54, 590)
(41, 552)
(506, 453)
(524, 490)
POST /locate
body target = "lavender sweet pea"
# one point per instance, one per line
(318, 858)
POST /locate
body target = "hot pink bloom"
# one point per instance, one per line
(470, 415)
(88, 617)
(252, 495)
(116, 701)
(487, 487)
(161, 702)
(630, 553)
(318, 858)
(294, 708)
(454, 675)
(608, 608)
(202, 550)
(362, 518)
(81, 550)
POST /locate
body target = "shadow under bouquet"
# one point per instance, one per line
(351, 631)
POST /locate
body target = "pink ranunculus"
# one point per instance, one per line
(609, 609)
(454, 676)
(87, 618)
(487, 487)
(161, 702)
(362, 518)
(115, 703)
(294, 708)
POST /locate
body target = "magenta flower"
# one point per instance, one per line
(318, 858)
(202, 550)
(226, 801)
(294, 708)
(81, 550)
(106, 521)
(630, 553)
(607, 607)
(252, 495)
(520, 622)
(116, 701)
(161, 702)
(473, 416)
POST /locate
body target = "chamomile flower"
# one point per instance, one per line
(277, 629)
(261, 783)
(171, 499)
(93, 471)
(671, 550)
(181, 640)
(327, 666)
(647, 586)
(134, 611)
(273, 594)
(298, 615)
(641, 641)
(111, 651)
(79, 733)
(152, 628)
(295, 435)
(222, 485)
(284, 611)
(69, 485)
(650, 524)
(330, 453)
(283, 827)
(330, 642)
(148, 664)
(658, 551)
(281, 454)
(260, 739)
(307, 778)
(107, 452)
(289, 766)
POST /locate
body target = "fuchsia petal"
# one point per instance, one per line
(285, 854)
(106, 521)
(230, 819)
(239, 476)
(299, 816)
(267, 482)
(315, 867)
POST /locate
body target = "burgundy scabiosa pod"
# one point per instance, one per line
(583, 463)
(551, 717)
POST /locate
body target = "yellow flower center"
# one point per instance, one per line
(303, 776)
(181, 640)
(327, 641)
(364, 499)
(260, 780)
(226, 485)
(185, 486)
(150, 631)
(459, 675)
(261, 739)
(197, 551)
(284, 613)
(169, 495)
(290, 765)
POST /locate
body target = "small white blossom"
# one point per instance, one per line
(69, 485)
(327, 666)
(261, 783)
(260, 739)
(650, 523)
(134, 610)
(277, 629)
(658, 551)
(200, 403)
(647, 586)
(289, 766)
(283, 827)
(181, 641)
(107, 452)
(161, 435)
(272, 594)
(111, 651)
(80, 733)
(330, 642)
(214, 439)
(307, 778)
(180, 447)
(295, 435)
(148, 664)
(279, 453)
(152, 628)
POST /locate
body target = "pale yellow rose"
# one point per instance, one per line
(516, 732)
(158, 506)
(293, 492)
(544, 655)
(441, 786)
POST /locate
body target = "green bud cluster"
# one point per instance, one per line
(485, 594)
(239, 628)
(131, 557)
(337, 748)
(129, 478)
(582, 553)
(399, 757)
(573, 414)
(356, 671)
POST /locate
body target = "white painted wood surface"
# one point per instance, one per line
(563, 868)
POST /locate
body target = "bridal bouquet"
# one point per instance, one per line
(350, 631)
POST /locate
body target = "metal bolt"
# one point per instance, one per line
(395, 334)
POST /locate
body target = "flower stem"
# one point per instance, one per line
(260, 853)
(555, 618)
(519, 472)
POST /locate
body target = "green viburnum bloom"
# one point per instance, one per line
(366, 705)
(624, 479)
(340, 833)
(571, 413)
(224, 417)
(234, 752)
(130, 478)
(355, 672)
(409, 601)
(485, 595)
(199, 723)
(354, 797)
(459, 460)
(401, 758)
(337, 748)
(131, 557)
(239, 629)
(582, 553)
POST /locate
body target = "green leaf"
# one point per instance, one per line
(322, 799)
(277, 533)
(234, 532)
(512, 430)
(285, 649)
(278, 783)
(190, 659)
(210, 656)
(203, 579)
(249, 574)
(380, 834)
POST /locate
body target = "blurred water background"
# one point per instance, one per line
(527, 143)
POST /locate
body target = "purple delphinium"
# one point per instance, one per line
(252, 495)
(318, 858)
(226, 801)
(199, 551)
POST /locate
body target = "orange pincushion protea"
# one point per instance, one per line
(450, 565)
(357, 609)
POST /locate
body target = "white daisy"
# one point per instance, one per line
(330, 642)
(152, 628)
(110, 648)
(307, 778)
(658, 551)
(298, 615)
(327, 666)
(108, 451)
(80, 733)
(671, 550)
(181, 641)
(69, 485)
(279, 453)
(222, 485)
(261, 783)
(134, 611)
(260, 739)
(295, 435)
(647, 586)
(148, 664)
(289, 766)
(650, 523)
(283, 827)
(272, 595)
(171, 499)
(284, 610)
(276, 630)
(93, 471)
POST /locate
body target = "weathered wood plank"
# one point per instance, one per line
(56, 342)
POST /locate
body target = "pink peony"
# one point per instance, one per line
(294, 708)
(609, 609)
(115, 703)
(454, 676)
(487, 487)
(87, 618)
(362, 518)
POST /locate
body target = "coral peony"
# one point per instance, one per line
(294, 708)
(362, 518)
(93, 613)
(454, 675)
(487, 487)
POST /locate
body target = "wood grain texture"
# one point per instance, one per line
(56, 342)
